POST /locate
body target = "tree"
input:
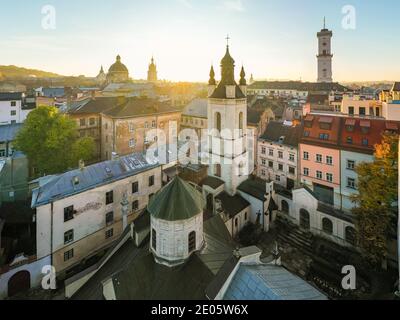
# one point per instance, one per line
(375, 213)
(50, 141)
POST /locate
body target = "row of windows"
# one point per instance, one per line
(271, 153)
(92, 122)
(292, 170)
(195, 121)
(351, 182)
(329, 160)
(364, 141)
(327, 226)
(191, 241)
(318, 175)
(318, 158)
(69, 237)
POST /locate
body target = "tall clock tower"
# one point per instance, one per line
(227, 124)
(325, 55)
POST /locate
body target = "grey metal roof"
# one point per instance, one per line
(269, 282)
(196, 108)
(98, 174)
(9, 132)
(10, 96)
(54, 92)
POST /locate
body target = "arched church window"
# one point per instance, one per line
(192, 241)
(304, 219)
(154, 239)
(350, 235)
(218, 121)
(241, 122)
(285, 206)
(327, 226)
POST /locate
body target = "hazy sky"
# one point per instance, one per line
(272, 38)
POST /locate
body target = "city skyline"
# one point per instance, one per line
(187, 36)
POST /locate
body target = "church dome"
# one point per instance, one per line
(176, 201)
(176, 218)
(118, 66)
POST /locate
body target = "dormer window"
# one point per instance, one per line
(365, 126)
(349, 124)
(308, 121)
(325, 123)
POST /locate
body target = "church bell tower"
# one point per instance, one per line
(227, 124)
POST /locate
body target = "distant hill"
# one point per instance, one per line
(14, 72)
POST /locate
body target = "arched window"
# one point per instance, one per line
(236, 222)
(154, 239)
(350, 235)
(304, 219)
(218, 121)
(327, 226)
(241, 121)
(192, 241)
(285, 206)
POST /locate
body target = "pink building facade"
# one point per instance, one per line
(320, 171)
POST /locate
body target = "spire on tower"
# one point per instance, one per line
(242, 81)
(212, 81)
(324, 22)
(227, 40)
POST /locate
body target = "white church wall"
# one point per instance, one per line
(173, 237)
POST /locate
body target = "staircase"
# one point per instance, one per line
(290, 233)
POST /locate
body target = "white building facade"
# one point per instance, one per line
(12, 109)
(80, 222)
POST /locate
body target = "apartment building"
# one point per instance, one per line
(81, 212)
(278, 154)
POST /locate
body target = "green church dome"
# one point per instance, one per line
(178, 200)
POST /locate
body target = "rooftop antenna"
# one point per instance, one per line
(324, 22)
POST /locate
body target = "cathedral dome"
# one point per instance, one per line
(118, 66)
